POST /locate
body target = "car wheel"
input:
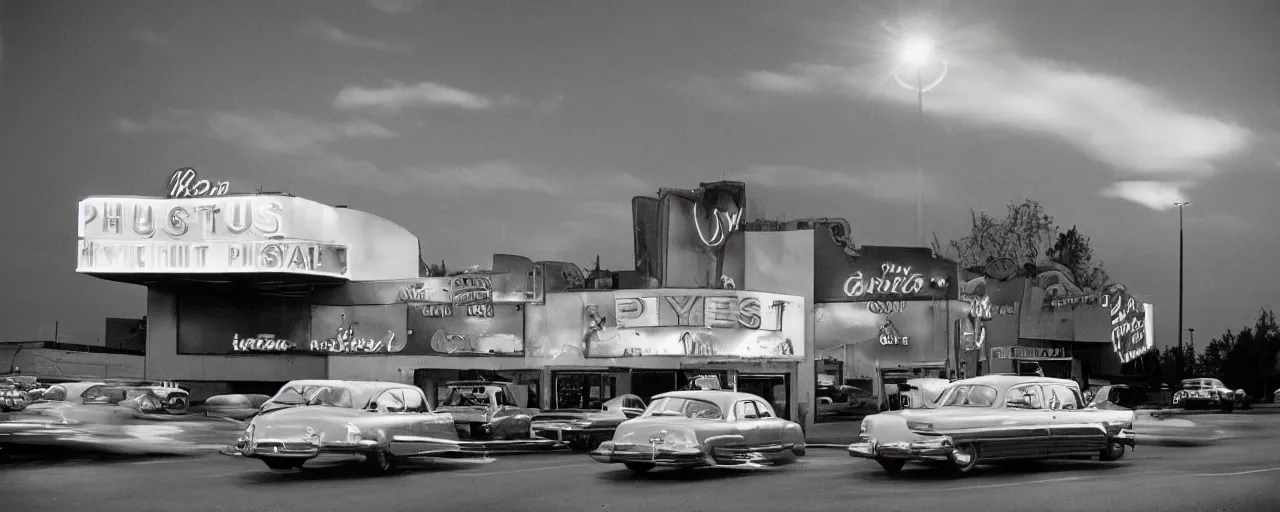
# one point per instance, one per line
(1229, 407)
(1112, 453)
(380, 462)
(964, 458)
(638, 467)
(281, 464)
(798, 450)
(891, 466)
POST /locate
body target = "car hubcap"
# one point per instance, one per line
(963, 456)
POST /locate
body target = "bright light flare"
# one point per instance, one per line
(917, 52)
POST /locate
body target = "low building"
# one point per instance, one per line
(52, 361)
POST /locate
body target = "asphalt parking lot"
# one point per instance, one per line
(1238, 473)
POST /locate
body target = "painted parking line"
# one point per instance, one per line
(1235, 473)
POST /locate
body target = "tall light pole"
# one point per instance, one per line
(917, 54)
(1181, 364)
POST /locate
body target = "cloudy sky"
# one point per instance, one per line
(524, 127)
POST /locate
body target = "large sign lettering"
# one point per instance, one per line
(894, 281)
(182, 219)
(215, 256)
(185, 182)
(684, 323)
(889, 335)
(1130, 324)
(357, 330)
(261, 343)
(725, 312)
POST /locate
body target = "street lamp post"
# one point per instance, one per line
(917, 54)
(1181, 363)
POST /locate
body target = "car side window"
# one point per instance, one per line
(635, 403)
(763, 410)
(1066, 398)
(414, 401)
(1028, 396)
(389, 401)
(746, 410)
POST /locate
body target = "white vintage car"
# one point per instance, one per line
(996, 418)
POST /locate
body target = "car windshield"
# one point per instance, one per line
(968, 395)
(1201, 384)
(55, 393)
(289, 396)
(478, 396)
(686, 407)
(106, 394)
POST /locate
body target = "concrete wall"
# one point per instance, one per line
(164, 362)
(782, 262)
(64, 363)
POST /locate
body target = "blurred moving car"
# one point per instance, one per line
(1204, 393)
(486, 410)
(139, 399)
(236, 407)
(381, 422)
(585, 429)
(996, 418)
(689, 429)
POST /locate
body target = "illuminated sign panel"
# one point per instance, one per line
(209, 235)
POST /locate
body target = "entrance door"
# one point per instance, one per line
(580, 390)
(773, 388)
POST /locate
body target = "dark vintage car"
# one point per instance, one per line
(584, 429)
(380, 422)
(486, 410)
(1205, 393)
(690, 429)
(996, 418)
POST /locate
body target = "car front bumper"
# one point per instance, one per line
(569, 434)
(932, 448)
(292, 449)
(611, 453)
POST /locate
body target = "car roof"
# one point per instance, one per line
(724, 399)
(1004, 381)
(361, 390)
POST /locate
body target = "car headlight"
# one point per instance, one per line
(865, 427)
(919, 426)
(353, 434)
(247, 436)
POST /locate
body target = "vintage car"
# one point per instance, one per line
(584, 429)
(380, 422)
(689, 429)
(486, 410)
(140, 399)
(11, 398)
(236, 407)
(996, 418)
(1204, 393)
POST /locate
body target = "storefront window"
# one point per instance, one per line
(583, 390)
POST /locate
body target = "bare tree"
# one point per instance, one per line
(1025, 234)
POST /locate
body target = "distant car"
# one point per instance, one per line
(584, 429)
(1205, 393)
(486, 410)
(11, 398)
(996, 418)
(381, 422)
(690, 429)
(237, 407)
